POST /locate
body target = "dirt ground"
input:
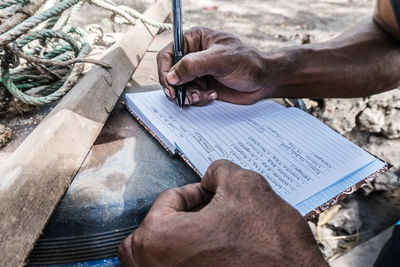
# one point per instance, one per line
(272, 24)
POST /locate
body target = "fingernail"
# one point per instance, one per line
(172, 78)
(195, 98)
(187, 101)
(166, 91)
(212, 96)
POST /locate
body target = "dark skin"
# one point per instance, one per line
(233, 218)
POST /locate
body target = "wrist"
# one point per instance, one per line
(278, 67)
(289, 72)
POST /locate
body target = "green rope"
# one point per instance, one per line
(41, 100)
(8, 3)
(49, 44)
(46, 34)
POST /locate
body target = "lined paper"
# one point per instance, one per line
(296, 153)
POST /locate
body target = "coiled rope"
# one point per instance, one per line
(45, 74)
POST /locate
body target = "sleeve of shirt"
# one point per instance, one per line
(396, 9)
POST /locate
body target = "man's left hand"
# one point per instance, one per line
(231, 218)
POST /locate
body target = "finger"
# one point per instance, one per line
(230, 95)
(125, 253)
(199, 93)
(185, 198)
(218, 175)
(200, 97)
(195, 40)
(225, 177)
(165, 59)
(241, 98)
(193, 66)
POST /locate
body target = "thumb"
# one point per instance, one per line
(191, 67)
(185, 198)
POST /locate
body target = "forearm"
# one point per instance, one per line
(362, 61)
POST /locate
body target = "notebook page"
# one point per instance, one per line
(167, 119)
(296, 153)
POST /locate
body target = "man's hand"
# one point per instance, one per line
(231, 218)
(362, 61)
(216, 65)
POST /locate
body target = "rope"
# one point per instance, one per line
(129, 14)
(33, 21)
(67, 84)
(52, 60)
(8, 3)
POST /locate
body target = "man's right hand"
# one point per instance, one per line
(217, 65)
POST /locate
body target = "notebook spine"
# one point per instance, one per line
(187, 161)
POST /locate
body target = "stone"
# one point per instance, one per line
(17, 106)
(306, 39)
(385, 149)
(372, 119)
(325, 237)
(391, 128)
(3, 99)
(313, 228)
(390, 99)
(347, 219)
(5, 135)
(387, 181)
(340, 114)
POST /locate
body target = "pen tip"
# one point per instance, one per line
(181, 98)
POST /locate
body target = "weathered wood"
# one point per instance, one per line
(36, 175)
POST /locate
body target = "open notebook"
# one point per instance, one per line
(306, 162)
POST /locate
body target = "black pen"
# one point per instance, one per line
(178, 47)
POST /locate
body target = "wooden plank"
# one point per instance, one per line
(160, 42)
(36, 175)
(146, 73)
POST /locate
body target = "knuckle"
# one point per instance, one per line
(160, 56)
(220, 164)
(167, 193)
(151, 219)
(251, 180)
(121, 250)
(138, 240)
(197, 30)
(187, 63)
(123, 247)
(254, 176)
(222, 168)
(143, 240)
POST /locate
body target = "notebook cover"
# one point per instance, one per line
(312, 214)
(346, 192)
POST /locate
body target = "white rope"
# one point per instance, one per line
(129, 14)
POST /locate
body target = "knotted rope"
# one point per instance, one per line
(46, 74)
